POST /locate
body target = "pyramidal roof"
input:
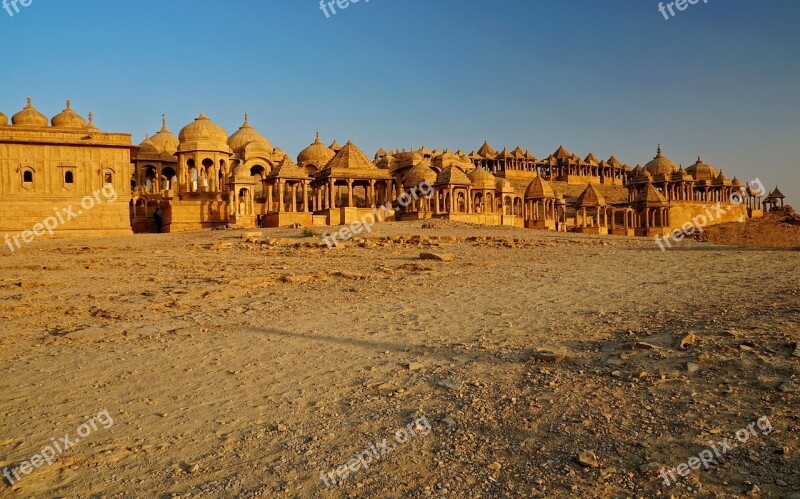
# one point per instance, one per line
(650, 196)
(486, 150)
(776, 193)
(591, 197)
(540, 188)
(351, 157)
(562, 153)
(288, 169)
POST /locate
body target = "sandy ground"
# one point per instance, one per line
(235, 369)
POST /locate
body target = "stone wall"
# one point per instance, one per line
(76, 182)
(682, 212)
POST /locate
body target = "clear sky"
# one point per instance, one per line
(720, 79)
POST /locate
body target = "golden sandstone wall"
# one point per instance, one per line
(59, 182)
(195, 214)
(704, 214)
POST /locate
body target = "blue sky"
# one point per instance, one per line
(720, 79)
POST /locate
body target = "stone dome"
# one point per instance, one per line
(3, 119)
(660, 165)
(245, 135)
(68, 119)
(503, 185)
(702, 171)
(203, 129)
(29, 116)
(452, 175)
(482, 179)
(164, 141)
(447, 158)
(317, 153)
(418, 174)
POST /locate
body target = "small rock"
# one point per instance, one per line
(688, 340)
(449, 421)
(554, 358)
(449, 384)
(495, 466)
(247, 236)
(588, 459)
(439, 257)
(787, 387)
(646, 346)
(692, 368)
(413, 366)
(781, 483)
(650, 467)
(616, 374)
(745, 348)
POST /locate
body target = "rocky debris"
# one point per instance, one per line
(220, 244)
(439, 257)
(588, 459)
(787, 387)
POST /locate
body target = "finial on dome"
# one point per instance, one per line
(246, 119)
(146, 135)
(69, 104)
(317, 135)
(658, 152)
(698, 159)
(202, 116)
(91, 119)
(163, 122)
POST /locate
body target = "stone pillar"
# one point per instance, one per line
(349, 193)
(305, 196)
(281, 204)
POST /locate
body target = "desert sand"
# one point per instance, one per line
(247, 369)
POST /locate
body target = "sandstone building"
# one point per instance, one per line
(49, 166)
(203, 178)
